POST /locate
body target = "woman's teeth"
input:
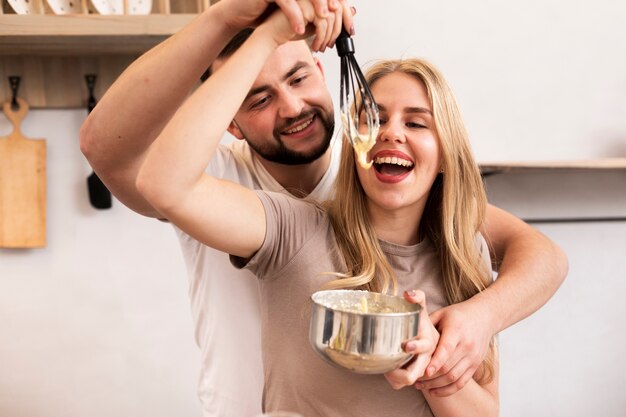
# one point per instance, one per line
(299, 127)
(393, 160)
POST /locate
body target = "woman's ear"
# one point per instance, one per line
(234, 130)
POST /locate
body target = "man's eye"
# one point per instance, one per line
(259, 103)
(298, 80)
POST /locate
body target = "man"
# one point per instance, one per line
(286, 120)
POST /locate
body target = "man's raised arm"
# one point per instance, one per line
(132, 113)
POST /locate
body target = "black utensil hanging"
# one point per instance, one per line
(99, 195)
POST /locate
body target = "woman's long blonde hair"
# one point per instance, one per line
(454, 210)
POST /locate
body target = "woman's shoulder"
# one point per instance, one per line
(289, 203)
(295, 229)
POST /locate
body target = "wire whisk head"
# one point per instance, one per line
(364, 112)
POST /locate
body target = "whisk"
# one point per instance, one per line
(353, 83)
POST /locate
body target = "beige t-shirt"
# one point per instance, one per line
(219, 322)
(299, 246)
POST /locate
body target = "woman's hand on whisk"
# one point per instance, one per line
(328, 28)
(240, 14)
(323, 30)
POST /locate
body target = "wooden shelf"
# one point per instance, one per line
(489, 168)
(28, 35)
(53, 53)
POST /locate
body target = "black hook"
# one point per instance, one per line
(99, 195)
(91, 83)
(14, 82)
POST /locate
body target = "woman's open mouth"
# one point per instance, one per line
(392, 169)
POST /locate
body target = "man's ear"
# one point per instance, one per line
(234, 130)
(318, 64)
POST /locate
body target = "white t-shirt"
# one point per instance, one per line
(225, 300)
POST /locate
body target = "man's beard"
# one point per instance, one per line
(279, 153)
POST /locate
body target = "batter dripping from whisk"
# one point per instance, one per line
(361, 142)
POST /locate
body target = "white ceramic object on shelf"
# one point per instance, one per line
(136, 7)
(65, 6)
(25, 6)
(139, 6)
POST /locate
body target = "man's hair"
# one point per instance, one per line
(232, 46)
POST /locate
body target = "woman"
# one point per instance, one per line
(409, 222)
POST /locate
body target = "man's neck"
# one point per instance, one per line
(299, 180)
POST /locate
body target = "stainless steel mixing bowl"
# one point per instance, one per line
(362, 331)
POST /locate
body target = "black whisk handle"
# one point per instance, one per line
(344, 43)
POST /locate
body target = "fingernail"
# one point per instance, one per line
(353, 10)
(411, 293)
(352, 32)
(419, 385)
(410, 347)
(300, 29)
(430, 370)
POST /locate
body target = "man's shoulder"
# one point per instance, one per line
(233, 162)
(236, 152)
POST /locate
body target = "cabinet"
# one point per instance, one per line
(53, 53)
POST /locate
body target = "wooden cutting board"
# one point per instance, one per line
(22, 185)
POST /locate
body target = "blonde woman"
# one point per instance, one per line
(399, 226)
(436, 180)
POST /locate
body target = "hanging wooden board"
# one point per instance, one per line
(22, 185)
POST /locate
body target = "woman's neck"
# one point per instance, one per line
(399, 226)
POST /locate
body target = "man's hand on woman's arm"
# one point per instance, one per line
(530, 270)
(474, 400)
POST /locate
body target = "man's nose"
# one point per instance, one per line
(290, 106)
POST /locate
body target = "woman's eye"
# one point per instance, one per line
(415, 125)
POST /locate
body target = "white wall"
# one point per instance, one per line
(567, 359)
(98, 322)
(538, 79)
